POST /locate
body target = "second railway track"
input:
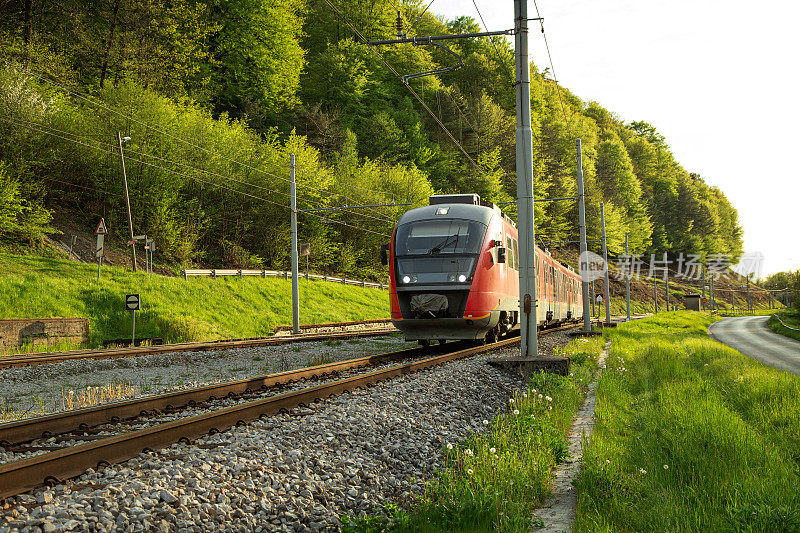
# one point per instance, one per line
(20, 360)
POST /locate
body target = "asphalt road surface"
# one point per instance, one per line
(751, 336)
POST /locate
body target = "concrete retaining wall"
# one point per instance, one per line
(16, 332)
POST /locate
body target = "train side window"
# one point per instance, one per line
(515, 244)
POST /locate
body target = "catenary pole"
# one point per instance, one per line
(587, 324)
(295, 281)
(524, 137)
(605, 261)
(127, 199)
(628, 279)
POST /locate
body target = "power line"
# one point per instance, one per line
(92, 101)
(399, 77)
(194, 178)
(552, 66)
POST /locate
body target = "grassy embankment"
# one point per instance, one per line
(790, 317)
(495, 479)
(178, 310)
(690, 435)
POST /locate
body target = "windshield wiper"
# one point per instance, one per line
(438, 248)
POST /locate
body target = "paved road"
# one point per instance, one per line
(751, 336)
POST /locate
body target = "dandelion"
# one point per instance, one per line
(492, 450)
(449, 446)
(469, 471)
(511, 400)
(485, 422)
(550, 407)
(666, 467)
(548, 398)
(534, 391)
(496, 458)
(643, 471)
(468, 452)
(516, 411)
(540, 396)
(608, 462)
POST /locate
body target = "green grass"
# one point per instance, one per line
(690, 436)
(178, 310)
(495, 479)
(791, 317)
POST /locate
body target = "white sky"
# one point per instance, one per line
(718, 79)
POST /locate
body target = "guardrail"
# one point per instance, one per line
(216, 272)
(776, 315)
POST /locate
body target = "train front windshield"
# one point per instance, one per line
(438, 251)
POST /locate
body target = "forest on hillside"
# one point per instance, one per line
(215, 95)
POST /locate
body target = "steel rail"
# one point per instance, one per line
(54, 467)
(115, 353)
(28, 429)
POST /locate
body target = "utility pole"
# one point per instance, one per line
(594, 297)
(295, 281)
(627, 279)
(120, 139)
(527, 244)
(703, 285)
(587, 324)
(655, 294)
(749, 302)
(605, 260)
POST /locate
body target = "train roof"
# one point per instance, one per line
(463, 206)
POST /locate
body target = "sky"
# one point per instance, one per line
(720, 80)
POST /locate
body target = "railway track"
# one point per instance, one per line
(20, 360)
(54, 466)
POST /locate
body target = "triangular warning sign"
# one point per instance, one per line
(101, 228)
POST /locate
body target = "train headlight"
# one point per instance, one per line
(462, 278)
(406, 279)
(410, 279)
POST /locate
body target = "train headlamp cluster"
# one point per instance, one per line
(460, 277)
(412, 278)
(409, 279)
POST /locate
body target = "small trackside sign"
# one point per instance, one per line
(101, 228)
(132, 302)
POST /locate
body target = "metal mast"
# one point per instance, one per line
(527, 244)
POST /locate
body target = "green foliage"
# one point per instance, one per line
(255, 80)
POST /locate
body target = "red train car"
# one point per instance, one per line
(453, 269)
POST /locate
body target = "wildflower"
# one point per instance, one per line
(548, 398)
(511, 400)
(540, 396)
(608, 462)
(468, 452)
(534, 391)
(666, 467)
(496, 457)
(571, 374)
(550, 407)
(492, 450)
(516, 411)
(643, 471)
(533, 417)
(485, 422)
(524, 394)
(449, 446)
(469, 471)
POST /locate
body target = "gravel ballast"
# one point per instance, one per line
(298, 471)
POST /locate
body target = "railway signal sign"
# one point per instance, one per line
(101, 228)
(132, 302)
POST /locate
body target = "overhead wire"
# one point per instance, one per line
(552, 67)
(194, 178)
(102, 105)
(399, 77)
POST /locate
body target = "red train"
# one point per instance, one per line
(453, 273)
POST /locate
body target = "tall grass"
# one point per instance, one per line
(690, 435)
(790, 317)
(178, 310)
